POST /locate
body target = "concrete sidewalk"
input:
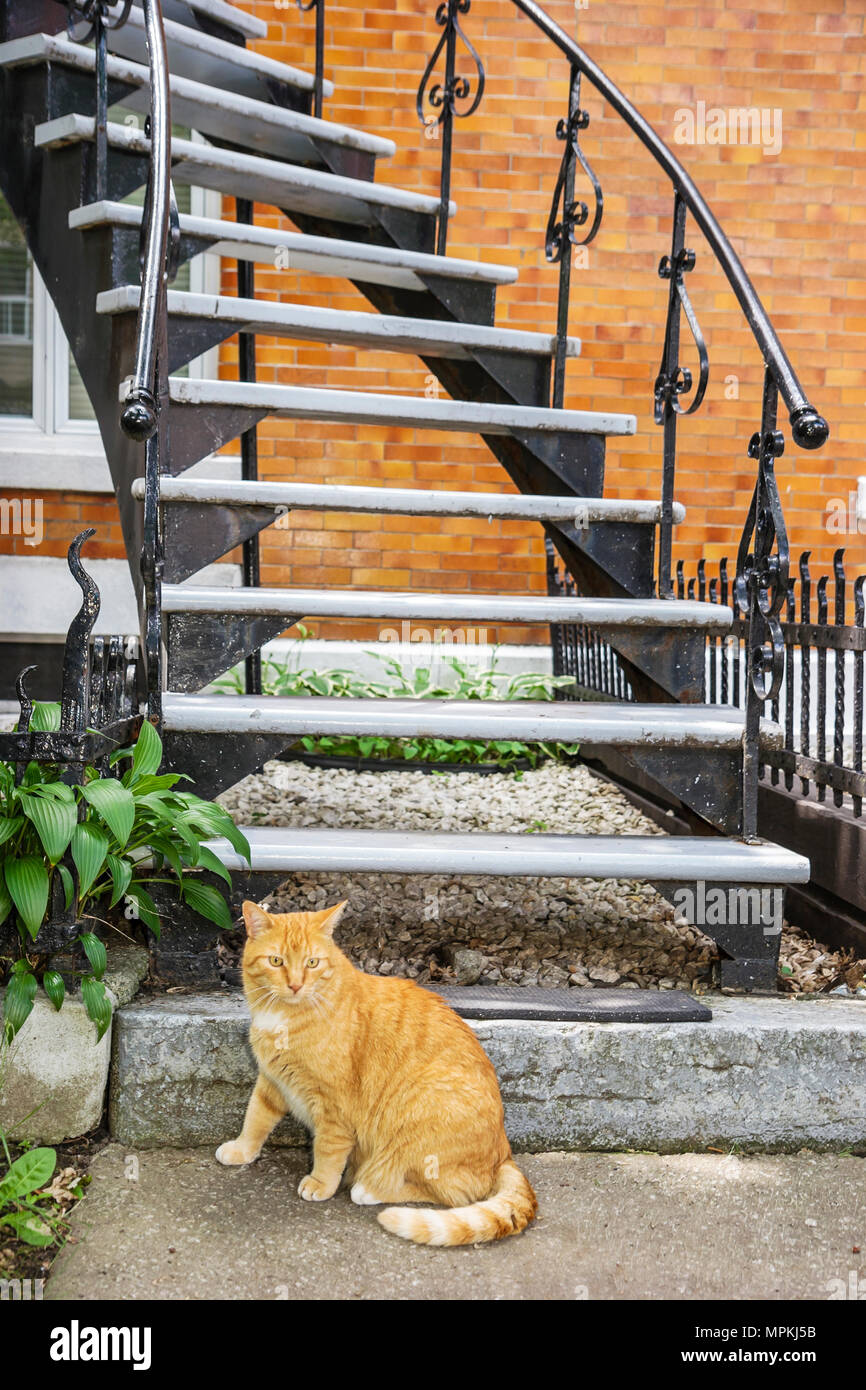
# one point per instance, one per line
(173, 1224)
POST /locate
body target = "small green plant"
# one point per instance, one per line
(469, 683)
(103, 840)
(28, 1206)
(505, 753)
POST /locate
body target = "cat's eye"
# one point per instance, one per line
(312, 962)
(275, 960)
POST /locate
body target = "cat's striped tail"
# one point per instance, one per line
(509, 1209)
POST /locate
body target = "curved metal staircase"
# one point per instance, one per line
(66, 168)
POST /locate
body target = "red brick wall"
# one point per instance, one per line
(798, 221)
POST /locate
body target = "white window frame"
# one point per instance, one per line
(47, 449)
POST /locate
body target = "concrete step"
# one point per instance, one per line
(237, 119)
(295, 251)
(764, 1074)
(218, 62)
(382, 332)
(460, 608)
(286, 497)
(530, 721)
(409, 412)
(652, 858)
(290, 186)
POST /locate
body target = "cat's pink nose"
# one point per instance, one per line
(295, 988)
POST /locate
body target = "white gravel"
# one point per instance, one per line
(549, 931)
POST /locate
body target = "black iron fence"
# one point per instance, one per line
(820, 701)
(99, 701)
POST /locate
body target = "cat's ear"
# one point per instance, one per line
(331, 918)
(256, 920)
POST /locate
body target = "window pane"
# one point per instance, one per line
(16, 318)
(79, 401)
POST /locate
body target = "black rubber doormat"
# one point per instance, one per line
(575, 1005)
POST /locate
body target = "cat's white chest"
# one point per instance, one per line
(274, 1027)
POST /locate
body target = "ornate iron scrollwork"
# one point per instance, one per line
(674, 380)
(761, 592)
(443, 97)
(95, 13)
(567, 213)
(763, 562)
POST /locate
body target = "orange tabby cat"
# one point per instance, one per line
(392, 1083)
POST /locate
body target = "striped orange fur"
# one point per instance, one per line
(398, 1092)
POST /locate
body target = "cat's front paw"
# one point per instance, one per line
(234, 1153)
(314, 1190)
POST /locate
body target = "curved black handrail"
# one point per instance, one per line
(139, 416)
(810, 430)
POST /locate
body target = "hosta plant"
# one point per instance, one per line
(104, 840)
(468, 682)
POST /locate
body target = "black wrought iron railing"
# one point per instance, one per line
(144, 413)
(763, 560)
(762, 577)
(318, 7)
(820, 699)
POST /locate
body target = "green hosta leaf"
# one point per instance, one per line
(89, 851)
(54, 820)
(163, 783)
(31, 1170)
(319, 685)
(166, 811)
(114, 803)
(58, 791)
(68, 885)
(161, 844)
(207, 902)
(95, 952)
(147, 754)
(121, 873)
(9, 826)
(52, 983)
(208, 860)
(45, 716)
(145, 906)
(18, 1003)
(29, 1227)
(27, 881)
(215, 821)
(97, 1004)
(5, 897)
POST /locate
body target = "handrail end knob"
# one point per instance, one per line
(810, 430)
(138, 419)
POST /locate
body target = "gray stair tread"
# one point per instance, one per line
(356, 260)
(553, 1005)
(411, 412)
(219, 62)
(654, 858)
(582, 511)
(249, 175)
(239, 119)
(222, 13)
(386, 332)
(562, 721)
(522, 608)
